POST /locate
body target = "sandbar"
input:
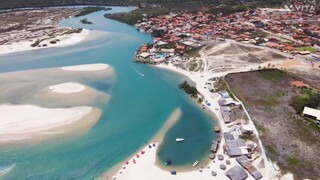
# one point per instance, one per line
(87, 67)
(26, 122)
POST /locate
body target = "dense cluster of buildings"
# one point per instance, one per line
(279, 29)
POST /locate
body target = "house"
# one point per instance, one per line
(237, 173)
(225, 114)
(144, 54)
(244, 162)
(304, 52)
(311, 113)
(246, 129)
(298, 84)
(224, 94)
(236, 147)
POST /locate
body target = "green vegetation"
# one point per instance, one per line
(189, 89)
(292, 160)
(307, 48)
(36, 43)
(307, 98)
(138, 14)
(272, 74)
(249, 137)
(88, 10)
(193, 52)
(85, 21)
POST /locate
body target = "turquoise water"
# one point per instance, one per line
(138, 108)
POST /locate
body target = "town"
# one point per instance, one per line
(292, 32)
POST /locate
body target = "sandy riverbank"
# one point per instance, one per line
(64, 40)
(20, 123)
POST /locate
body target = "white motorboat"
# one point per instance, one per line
(195, 163)
(179, 139)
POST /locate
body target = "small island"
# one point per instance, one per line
(85, 21)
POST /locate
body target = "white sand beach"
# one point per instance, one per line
(145, 168)
(87, 67)
(26, 122)
(69, 87)
(65, 40)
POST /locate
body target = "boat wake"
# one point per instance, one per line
(4, 170)
(137, 71)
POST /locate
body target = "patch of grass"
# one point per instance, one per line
(292, 160)
(272, 74)
(268, 102)
(259, 127)
(307, 48)
(193, 52)
(249, 137)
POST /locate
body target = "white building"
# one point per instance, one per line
(313, 113)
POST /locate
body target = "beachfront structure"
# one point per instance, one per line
(228, 136)
(246, 164)
(214, 147)
(311, 113)
(236, 173)
(225, 113)
(236, 147)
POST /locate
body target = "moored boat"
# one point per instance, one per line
(195, 163)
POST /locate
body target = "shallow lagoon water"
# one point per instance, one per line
(138, 108)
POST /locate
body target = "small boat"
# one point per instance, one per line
(179, 139)
(195, 163)
(168, 162)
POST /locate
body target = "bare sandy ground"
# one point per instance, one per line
(28, 122)
(65, 40)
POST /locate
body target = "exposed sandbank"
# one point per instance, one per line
(33, 87)
(28, 122)
(87, 67)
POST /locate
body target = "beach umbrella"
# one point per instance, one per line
(127, 162)
(114, 177)
(138, 156)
